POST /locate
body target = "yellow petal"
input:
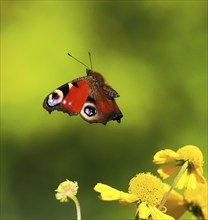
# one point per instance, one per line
(167, 170)
(175, 203)
(190, 180)
(143, 211)
(183, 180)
(198, 198)
(164, 156)
(157, 214)
(199, 175)
(108, 193)
(195, 179)
(127, 198)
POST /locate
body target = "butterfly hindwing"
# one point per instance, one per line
(100, 108)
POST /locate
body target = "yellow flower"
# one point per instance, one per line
(66, 190)
(196, 200)
(193, 200)
(144, 189)
(194, 172)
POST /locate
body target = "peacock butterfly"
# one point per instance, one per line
(88, 96)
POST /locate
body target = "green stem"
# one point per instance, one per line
(74, 198)
(136, 217)
(182, 170)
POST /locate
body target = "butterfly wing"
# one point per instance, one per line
(88, 96)
(100, 108)
(68, 98)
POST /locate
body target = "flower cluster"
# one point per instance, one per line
(154, 199)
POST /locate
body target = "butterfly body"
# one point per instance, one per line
(88, 96)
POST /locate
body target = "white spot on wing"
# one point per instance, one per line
(70, 85)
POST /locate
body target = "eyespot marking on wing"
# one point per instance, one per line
(55, 98)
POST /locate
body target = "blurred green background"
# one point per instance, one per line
(154, 53)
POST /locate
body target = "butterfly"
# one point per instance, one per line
(90, 96)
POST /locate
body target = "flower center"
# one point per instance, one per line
(147, 188)
(192, 154)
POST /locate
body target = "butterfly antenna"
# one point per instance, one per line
(90, 60)
(77, 60)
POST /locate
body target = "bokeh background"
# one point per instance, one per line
(154, 53)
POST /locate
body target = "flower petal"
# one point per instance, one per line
(127, 198)
(157, 214)
(164, 156)
(190, 180)
(108, 193)
(198, 197)
(143, 211)
(182, 182)
(167, 170)
(175, 203)
(199, 175)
